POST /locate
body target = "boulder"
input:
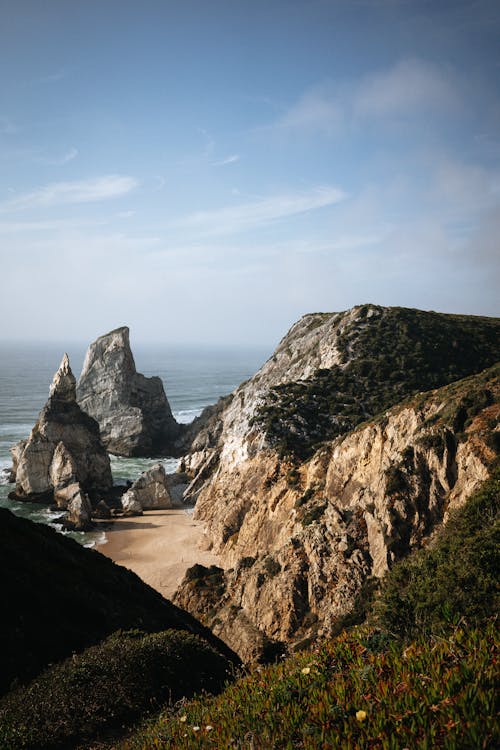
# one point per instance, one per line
(79, 511)
(133, 413)
(149, 492)
(64, 448)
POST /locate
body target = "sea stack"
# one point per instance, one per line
(133, 413)
(63, 457)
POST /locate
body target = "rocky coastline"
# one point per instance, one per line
(343, 454)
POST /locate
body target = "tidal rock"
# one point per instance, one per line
(132, 411)
(149, 492)
(102, 511)
(64, 448)
(79, 509)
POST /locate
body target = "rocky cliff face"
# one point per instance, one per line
(132, 411)
(63, 451)
(303, 501)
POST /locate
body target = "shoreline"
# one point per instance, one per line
(158, 546)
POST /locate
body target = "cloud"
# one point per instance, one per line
(53, 77)
(65, 158)
(315, 110)
(244, 216)
(80, 191)
(228, 160)
(408, 88)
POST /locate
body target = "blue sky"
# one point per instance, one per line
(208, 172)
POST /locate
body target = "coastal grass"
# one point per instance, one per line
(108, 687)
(436, 693)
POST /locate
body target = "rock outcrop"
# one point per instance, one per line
(63, 458)
(133, 413)
(149, 492)
(313, 478)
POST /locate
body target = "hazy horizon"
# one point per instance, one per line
(207, 173)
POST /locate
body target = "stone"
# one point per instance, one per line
(79, 515)
(149, 492)
(64, 447)
(132, 410)
(102, 511)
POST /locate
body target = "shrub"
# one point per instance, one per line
(457, 578)
(107, 686)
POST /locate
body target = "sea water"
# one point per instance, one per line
(193, 378)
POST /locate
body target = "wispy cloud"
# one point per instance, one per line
(408, 87)
(228, 160)
(405, 89)
(240, 218)
(58, 75)
(59, 161)
(80, 191)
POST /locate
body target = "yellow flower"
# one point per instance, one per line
(306, 670)
(360, 715)
(183, 718)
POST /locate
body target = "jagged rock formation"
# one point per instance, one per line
(306, 495)
(149, 492)
(133, 413)
(63, 459)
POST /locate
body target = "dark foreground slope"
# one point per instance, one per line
(59, 598)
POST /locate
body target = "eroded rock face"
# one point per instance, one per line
(298, 539)
(63, 448)
(133, 413)
(149, 492)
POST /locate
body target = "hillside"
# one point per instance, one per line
(334, 461)
(422, 672)
(62, 598)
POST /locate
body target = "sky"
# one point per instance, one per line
(209, 172)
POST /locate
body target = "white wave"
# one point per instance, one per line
(4, 474)
(185, 416)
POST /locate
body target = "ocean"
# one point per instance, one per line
(193, 378)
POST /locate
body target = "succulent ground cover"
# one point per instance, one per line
(437, 692)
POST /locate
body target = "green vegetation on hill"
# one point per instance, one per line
(107, 687)
(60, 598)
(372, 687)
(455, 579)
(439, 693)
(388, 355)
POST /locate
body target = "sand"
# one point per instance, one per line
(159, 546)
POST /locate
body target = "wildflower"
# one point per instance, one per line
(183, 718)
(208, 728)
(360, 715)
(196, 729)
(306, 670)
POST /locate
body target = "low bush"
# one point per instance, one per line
(455, 579)
(108, 686)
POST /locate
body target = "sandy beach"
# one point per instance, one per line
(159, 546)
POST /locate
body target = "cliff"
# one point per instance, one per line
(310, 484)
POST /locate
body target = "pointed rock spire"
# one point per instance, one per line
(63, 386)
